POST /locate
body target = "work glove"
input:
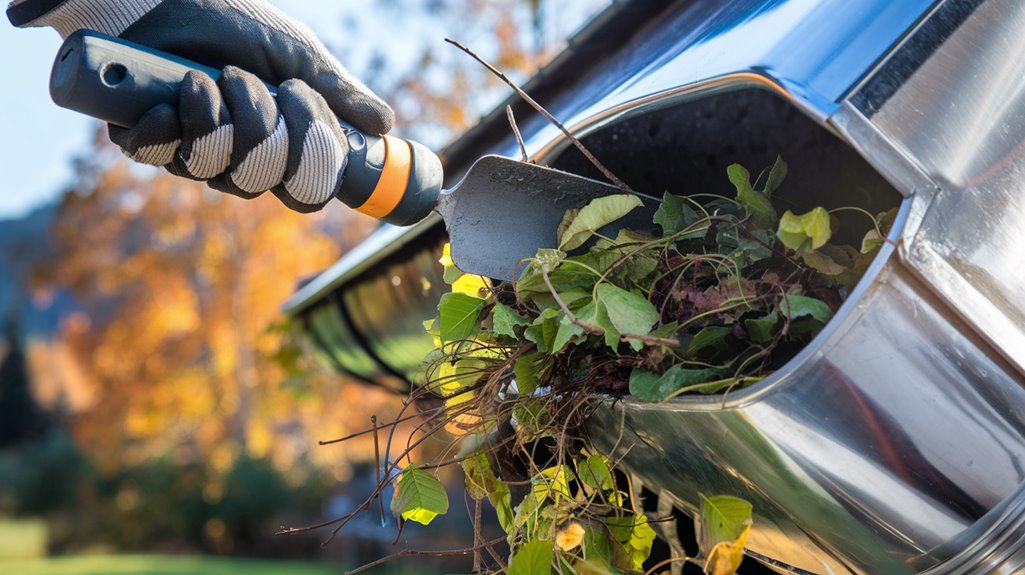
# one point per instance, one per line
(231, 132)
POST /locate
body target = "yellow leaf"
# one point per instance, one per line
(465, 422)
(470, 284)
(570, 537)
(725, 557)
(446, 256)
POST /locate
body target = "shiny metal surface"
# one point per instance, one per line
(959, 111)
(389, 306)
(813, 51)
(888, 442)
(895, 443)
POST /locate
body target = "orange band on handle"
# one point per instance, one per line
(394, 178)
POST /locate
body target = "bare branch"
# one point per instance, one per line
(541, 110)
(516, 132)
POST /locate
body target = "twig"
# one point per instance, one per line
(516, 132)
(478, 537)
(540, 109)
(418, 553)
(377, 464)
(371, 430)
(650, 339)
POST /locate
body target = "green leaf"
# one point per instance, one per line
(824, 264)
(710, 340)
(596, 545)
(871, 242)
(527, 371)
(753, 249)
(795, 306)
(433, 327)
(567, 331)
(501, 500)
(567, 219)
(451, 274)
(542, 332)
(626, 311)
(594, 471)
(597, 214)
(805, 232)
(601, 318)
(504, 320)
(593, 567)
(667, 331)
(552, 483)
(763, 329)
(458, 315)
(675, 214)
(448, 379)
(478, 476)
(644, 385)
(651, 387)
(776, 176)
(722, 518)
(636, 536)
(670, 382)
(532, 558)
(757, 205)
(564, 278)
(419, 496)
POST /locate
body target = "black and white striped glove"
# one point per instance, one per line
(232, 133)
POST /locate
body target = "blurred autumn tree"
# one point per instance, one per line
(437, 91)
(177, 286)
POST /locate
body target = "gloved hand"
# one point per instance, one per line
(232, 132)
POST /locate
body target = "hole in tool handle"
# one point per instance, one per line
(113, 74)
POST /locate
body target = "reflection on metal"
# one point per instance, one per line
(959, 111)
(333, 338)
(389, 305)
(373, 328)
(894, 443)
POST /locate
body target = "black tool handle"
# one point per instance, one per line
(118, 81)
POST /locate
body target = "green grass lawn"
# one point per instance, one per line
(160, 565)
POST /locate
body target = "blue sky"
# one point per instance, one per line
(41, 139)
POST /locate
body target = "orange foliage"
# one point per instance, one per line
(178, 285)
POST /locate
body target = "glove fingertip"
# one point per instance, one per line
(154, 138)
(353, 102)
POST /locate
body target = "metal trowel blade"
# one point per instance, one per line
(504, 210)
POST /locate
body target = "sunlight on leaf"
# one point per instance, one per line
(805, 232)
(597, 214)
(722, 519)
(726, 556)
(458, 316)
(636, 536)
(419, 496)
(757, 205)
